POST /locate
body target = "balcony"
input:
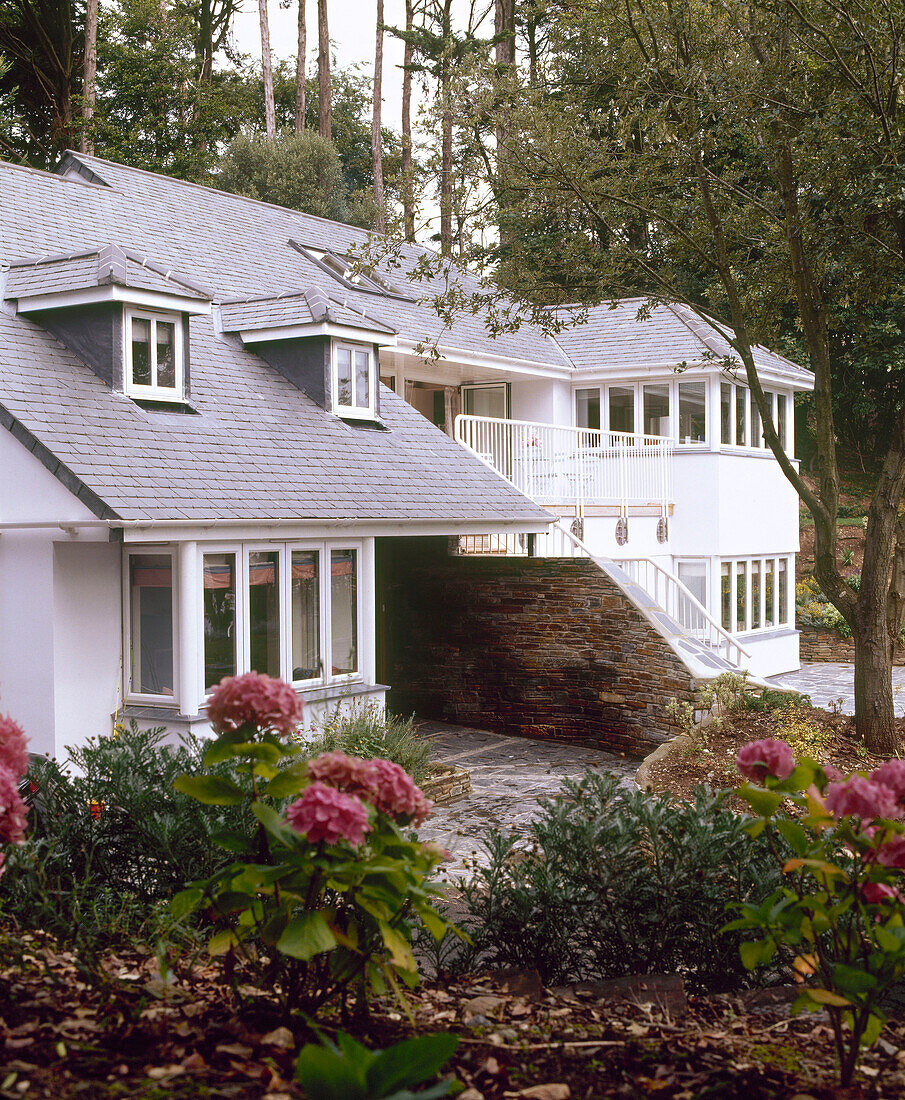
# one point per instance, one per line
(561, 467)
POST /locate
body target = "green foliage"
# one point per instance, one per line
(346, 1070)
(301, 171)
(837, 917)
(307, 918)
(370, 731)
(110, 841)
(618, 882)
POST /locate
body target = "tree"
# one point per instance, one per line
(300, 70)
(213, 22)
(267, 70)
(747, 158)
(408, 178)
(89, 82)
(301, 171)
(324, 101)
(376, 133)
(43, 42)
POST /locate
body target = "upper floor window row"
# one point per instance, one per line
(154, 360)
(740, 421)
(672, 409)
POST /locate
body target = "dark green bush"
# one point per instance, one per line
(619, 882)
(110, 840)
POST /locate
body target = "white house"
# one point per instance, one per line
(197, 459)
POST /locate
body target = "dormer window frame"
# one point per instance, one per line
(174, 394)
(354, 411)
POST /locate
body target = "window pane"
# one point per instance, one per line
(622, 409)
(141, 352)
(219, 618)
(166, 354)
(781, 419)
(783, 590)
(692, 411)
(726, 412)
(264, 611)
(362, 379)
(151, 627)
(344, 611)
(756, 433)
(587, 409)
(768, 593)
(343, 376)
(306, 649)
(740, 394)
(755, 595)
(741, 591)
(656, 410)
(726, 594)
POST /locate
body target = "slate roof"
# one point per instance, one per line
(614, 339)
(259, 448)
(104, 266)
(308, 307)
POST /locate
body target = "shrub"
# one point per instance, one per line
(325, 892)
(112, 841)
(837, 917)
(619, 882)
(370, 731)
(803, 735)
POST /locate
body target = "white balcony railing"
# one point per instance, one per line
(554, 464)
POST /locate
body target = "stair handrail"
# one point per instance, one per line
(673, 582)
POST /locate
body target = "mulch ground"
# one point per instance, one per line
(137, 1036)
(711, 761)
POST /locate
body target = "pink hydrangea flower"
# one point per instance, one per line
(324, 813)
(832, 773)
(13, 811)
(759, 759)
(395, 793)
(892, 775)
(13, 746)
(859, 797)
(347, 773)
(892, 853)
(254, 699)
(875, 892)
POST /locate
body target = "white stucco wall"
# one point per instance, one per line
(29, 491)
(546, 400)
(87, 640)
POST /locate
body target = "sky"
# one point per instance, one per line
(353, 34)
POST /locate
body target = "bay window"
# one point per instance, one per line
(220, 617)
(622, 409)
(264, 612)
(740, 419)
(305, 615)
(344, 611)
(587, 409)
(151, 623)
(656, 409)
(692, 411)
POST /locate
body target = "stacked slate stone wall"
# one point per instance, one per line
(828, 645)
(539, 647)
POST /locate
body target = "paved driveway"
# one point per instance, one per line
(508, 776)
(827, 682)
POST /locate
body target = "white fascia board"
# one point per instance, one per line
(670, 369)
(316, 328)
(149, 299)
(288, 530)
(490, 362)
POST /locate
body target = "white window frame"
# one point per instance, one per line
(354, 412)
(155, 392)
(172, 701)
(776, 398)
(762, 559)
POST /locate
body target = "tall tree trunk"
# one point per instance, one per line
(446, 127)
(270, 118)
(408, 179)
(376, 136)
(300, 71)
(204, 42)
(89, 83)
(504, 31)
(325, 105)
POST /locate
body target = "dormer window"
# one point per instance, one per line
(154, 359)
(353, 381)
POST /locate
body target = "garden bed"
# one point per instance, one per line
(143, 1038)
(710, 758)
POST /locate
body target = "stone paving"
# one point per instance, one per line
(827, 682)
(508, 776)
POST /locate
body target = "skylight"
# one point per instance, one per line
(344, 270)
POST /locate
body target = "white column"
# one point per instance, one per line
(189, 632)
(714, 411)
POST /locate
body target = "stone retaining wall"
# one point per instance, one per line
(540, 647)
(827, 645)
